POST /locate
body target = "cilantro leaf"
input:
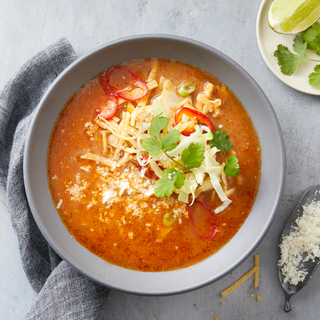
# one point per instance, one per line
(220, 140)
(288, 61)
(300, 46)
(157, 124)
(171, 178)
(193, 156)
(169, 141)
(176, 175)
(312, 37)
(164, 187)
(314, 77)
(151, 145)
(231, 168)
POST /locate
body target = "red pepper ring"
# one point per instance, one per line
(108, 106)
(192, 114)
(125, 84)
(213, 230)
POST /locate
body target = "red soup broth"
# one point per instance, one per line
(112, 211)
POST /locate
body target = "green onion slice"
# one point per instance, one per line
(168, 219)
(186, 88)
(158, 108)
(207, 136)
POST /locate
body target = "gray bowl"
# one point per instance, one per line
(252, 231)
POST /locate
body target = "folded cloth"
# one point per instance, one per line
(63, 292)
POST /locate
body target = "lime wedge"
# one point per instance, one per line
(293, 16)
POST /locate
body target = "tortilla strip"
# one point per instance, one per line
(153, 72)
(159, 88)
(239, 282)
(256, 274)
(152, 84)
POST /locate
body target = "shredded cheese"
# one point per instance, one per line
(121, 139)
(59, 204)
(105, 141)
(99, 159)
(301, 245)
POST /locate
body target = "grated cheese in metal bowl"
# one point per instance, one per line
(301, 245)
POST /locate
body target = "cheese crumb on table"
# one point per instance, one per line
(259, 298)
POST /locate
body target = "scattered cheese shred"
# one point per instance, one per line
(99, 159)
(105, 141)
(223, 206)
(259, 298)
(59, 204)
(107, 124)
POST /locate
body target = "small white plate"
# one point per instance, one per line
(268, 40)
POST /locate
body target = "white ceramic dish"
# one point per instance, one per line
(272, 177)
(268, 42)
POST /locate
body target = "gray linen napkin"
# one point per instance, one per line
(63, 292)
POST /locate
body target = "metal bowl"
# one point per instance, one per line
(272, 174)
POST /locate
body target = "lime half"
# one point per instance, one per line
(293, 16)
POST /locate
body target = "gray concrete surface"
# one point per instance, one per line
(28, 26)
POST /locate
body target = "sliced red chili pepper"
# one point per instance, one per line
(192, 114)
(139, 167)
(198, 205)
(108, 106)
(124, 83)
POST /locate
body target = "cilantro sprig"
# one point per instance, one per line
(290, 62)
(222, 142)
(191, 157)
(231, 168)
(171, 178)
